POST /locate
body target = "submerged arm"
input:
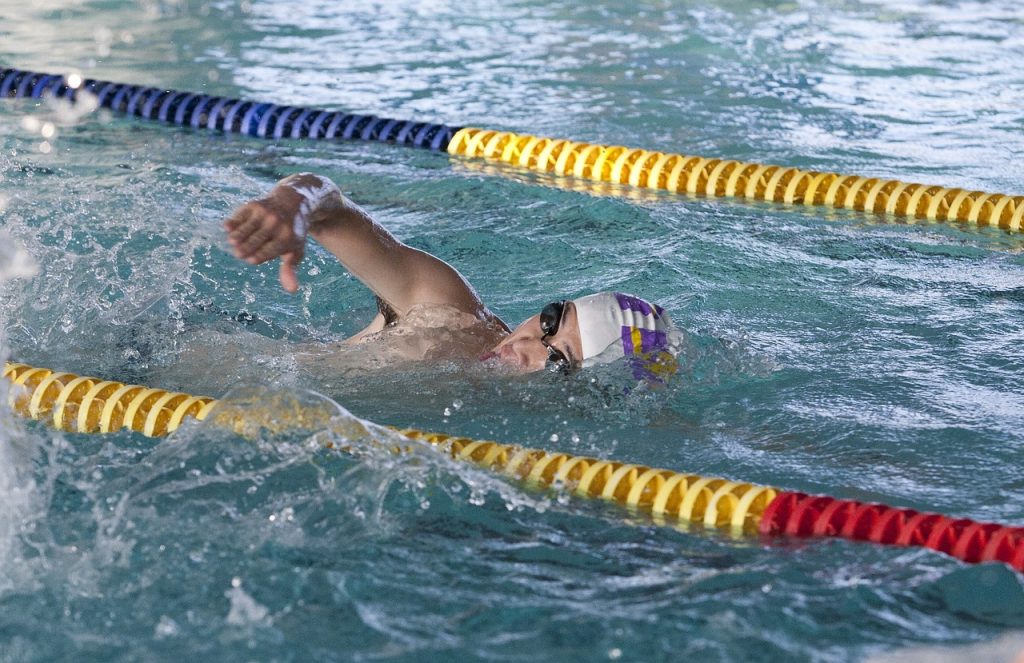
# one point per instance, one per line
(275, 226)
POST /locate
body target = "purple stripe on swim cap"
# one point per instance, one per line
(640, 369)
(628, 303)
(627, 341)
(651, 340)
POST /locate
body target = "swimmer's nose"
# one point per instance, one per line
(507, 354)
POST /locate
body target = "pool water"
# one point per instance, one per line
(831, 352)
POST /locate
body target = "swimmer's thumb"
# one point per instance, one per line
(289, 280)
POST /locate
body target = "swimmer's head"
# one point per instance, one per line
(593, 330)
(613, 324)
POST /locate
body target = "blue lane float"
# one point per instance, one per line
(250, 118)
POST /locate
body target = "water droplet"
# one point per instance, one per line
(236, 582)
(554, 437)
(457, 404)
(614, 653)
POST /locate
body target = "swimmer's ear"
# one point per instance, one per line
(289, 261)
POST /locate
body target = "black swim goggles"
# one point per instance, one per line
(550, 321)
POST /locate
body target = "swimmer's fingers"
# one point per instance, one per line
(251, 226)
(261, 240)
(257, 233)
(237, 218)
(289, 280)
(270, 244)
(245, 219)
(263, 235)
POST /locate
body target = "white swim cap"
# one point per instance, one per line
(641, 329)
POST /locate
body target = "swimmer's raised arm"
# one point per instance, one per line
(276, 227)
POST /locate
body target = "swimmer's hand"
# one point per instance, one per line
(276, 226)
(263, 229)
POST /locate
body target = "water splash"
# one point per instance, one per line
(19, 493)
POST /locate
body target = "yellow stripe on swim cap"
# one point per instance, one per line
(638, 341)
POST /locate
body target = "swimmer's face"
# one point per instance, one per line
(528, 348)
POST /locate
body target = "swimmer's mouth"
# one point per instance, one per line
(504, 356)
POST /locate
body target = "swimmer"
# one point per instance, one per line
(437, 311)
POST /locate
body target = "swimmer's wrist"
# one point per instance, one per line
(318, 198)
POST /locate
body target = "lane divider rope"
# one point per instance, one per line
(615, 164)
(91, 405)
(202, 111)
(689, 174)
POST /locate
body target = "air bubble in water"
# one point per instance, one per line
(166, 628)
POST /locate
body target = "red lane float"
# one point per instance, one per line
(799, 514)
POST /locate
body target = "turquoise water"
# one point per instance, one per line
(831, 352)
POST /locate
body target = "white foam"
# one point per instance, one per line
(313, 197)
